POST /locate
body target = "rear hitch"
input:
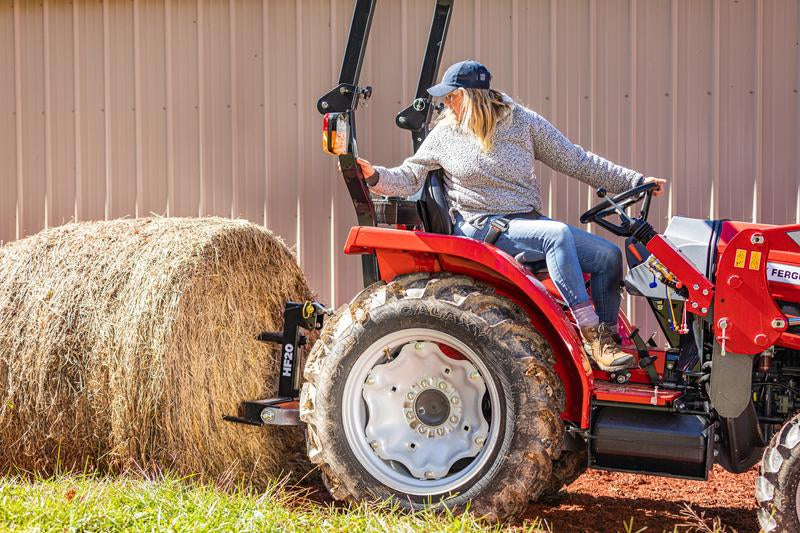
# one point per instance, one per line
(274, 411)
(284, 410)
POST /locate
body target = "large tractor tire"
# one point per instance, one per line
(433, 391)
(778, 486)
(567, 468)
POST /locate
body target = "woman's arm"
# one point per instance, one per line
(408, 178)
(553, 149)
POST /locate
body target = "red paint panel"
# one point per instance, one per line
(743, 302)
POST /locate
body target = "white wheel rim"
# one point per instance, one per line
(384, 418)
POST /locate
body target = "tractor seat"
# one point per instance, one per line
(432, 205)
(435, 214)
(537, 267)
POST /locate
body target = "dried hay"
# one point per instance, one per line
(124, 342)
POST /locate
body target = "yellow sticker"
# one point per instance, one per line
(741, 255)
(755, 260)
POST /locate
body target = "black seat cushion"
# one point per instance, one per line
(537, 267)
(432, 205)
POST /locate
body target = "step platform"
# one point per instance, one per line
(635, 393)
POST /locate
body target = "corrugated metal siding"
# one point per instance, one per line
(116, 108)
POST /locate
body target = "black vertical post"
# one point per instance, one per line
(357, 41)
(417, 116)
(344, 98)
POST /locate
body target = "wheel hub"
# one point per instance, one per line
(432, 407)
(425, 410)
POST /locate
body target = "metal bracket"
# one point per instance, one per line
(273, 411)
(284, 410)
(308, 316)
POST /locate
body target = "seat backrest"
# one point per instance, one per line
(432, 205)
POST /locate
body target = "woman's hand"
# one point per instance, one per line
(366, 168)
(662, 183)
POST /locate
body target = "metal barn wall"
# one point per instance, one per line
(123, 108)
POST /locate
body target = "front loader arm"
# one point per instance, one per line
(699, 289)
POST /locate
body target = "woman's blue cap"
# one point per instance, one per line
(467, 74)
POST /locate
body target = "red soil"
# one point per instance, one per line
(600, 501)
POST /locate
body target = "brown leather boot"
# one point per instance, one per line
(606, 353)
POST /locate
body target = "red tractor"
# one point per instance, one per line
(457, 376)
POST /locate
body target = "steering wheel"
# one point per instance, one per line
(617, 204)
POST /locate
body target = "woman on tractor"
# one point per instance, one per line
(486, 144)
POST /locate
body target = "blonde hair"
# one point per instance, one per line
(482, 111)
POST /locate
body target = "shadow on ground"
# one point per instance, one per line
(601, 501)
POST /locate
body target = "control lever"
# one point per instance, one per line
(645, 359)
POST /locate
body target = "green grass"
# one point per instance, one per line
(93, 503)
(90, 502)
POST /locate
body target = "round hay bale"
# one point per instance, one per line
(122, 343)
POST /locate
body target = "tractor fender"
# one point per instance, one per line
(401, 252)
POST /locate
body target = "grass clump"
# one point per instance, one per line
(95, 503)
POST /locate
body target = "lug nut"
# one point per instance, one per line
(410, 396)
(695, 286)
(375, 444)
(370, 380)
(443, 385)
(421, 429)
(453, 419)
(705, 292)
(409, 415)
(480, 440)
(454, 400)
(424, 383)
(429, 475)
(418, 346)
(473, 375)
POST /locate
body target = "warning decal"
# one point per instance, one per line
(781, 273)
(755, 260)
(741, 255)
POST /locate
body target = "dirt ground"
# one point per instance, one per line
(600, 501)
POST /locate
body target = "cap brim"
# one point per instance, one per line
(441, 90)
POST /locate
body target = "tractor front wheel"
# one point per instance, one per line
(433, 391)
(778, 486)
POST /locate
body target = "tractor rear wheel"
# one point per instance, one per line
(433, 391)
(778, 485)
(567, 468)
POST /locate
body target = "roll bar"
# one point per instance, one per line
(346, 97)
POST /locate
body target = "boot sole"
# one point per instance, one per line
(614, 368)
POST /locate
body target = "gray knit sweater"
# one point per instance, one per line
(501, 181)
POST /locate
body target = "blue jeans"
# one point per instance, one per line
(568, 252)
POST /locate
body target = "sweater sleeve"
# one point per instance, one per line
(552, 148)
(408, 178)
